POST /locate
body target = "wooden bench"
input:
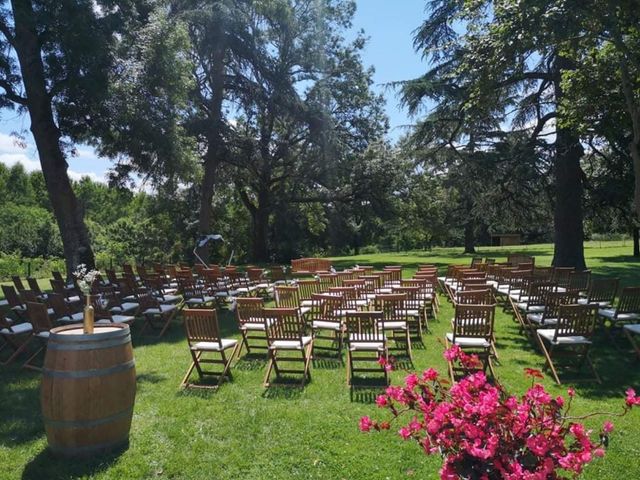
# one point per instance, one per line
(301, 266)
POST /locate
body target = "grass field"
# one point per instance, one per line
(243, 431)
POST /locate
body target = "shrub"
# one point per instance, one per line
(483, 433)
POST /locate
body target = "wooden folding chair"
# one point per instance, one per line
(627, 310)
(553, 302)
(475, 297)
(535, 303)
(414, 310)
(395, 318)
(601, 291)
(572, 333)
(156, 315)
(288, 343)
(203, 337)
(306, 288)
(473, 333)
(15, 336)
(62, 311)
(288, 296)
(561, 276)
(16, 305)
(579, 281)
(326, 322)
(366, 343)
(252, 323)
(277, 275)
(41, 323)
(194, 295)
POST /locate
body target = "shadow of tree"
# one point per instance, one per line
(46, 465)
(22, 420)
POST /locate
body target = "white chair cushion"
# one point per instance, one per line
(524, 306)
(304, 310)
(42, 335)
(170, 298)
(325, 324)
(125, 307)
(635, 328)
(215, 346)
(367, 346)
(537, 318)
(290, 344)
(400, 325)
(585, 301)
(200, 300)
(4, 303)
(253, 326)
(73, 299)
(548, 334)
(17, 329)
(469, 341)
(162, 309)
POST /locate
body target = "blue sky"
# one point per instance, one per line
(387, 23)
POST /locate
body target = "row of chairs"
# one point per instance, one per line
(365, 313)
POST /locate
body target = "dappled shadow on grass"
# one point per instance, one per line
(20, 400)
(327, 362)
(284, 388)
(47, 466)
(251, 362)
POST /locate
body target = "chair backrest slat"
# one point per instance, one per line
(629, 300)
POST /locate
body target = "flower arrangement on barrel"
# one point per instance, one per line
(483, 433)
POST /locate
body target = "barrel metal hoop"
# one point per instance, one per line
(97, 372)
(90, 337)
(88, 423)
(116, 342)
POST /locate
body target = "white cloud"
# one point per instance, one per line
(12, 153)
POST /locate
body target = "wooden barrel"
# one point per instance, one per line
(88, 389)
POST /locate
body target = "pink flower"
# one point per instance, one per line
(560, 401)
(452, 353)
(607, 427)
(411, 381)
(571, 392)
(366, 424)
(538, 444)
(405, 433)
(429, 375)
(631, 398)
(599, 452)
(381, 401)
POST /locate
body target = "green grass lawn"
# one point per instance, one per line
(243, 431)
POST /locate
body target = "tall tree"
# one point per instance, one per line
(53, 65)
(505, 62)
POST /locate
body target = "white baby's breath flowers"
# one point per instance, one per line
(85, 278)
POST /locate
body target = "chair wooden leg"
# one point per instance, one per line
(269, 368)
(633, 342)
(168, 322)
(185, 380)
(18, 351)
(349, 366)
(549, 362)
(447, 346)
(28, 365)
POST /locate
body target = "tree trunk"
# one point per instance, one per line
(567, 218)
(215, 148)
(68, 213)
(636, 241)
(260, 234)
(469, 239)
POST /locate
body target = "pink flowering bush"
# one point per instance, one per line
(484, 433)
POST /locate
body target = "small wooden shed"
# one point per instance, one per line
(506, 239)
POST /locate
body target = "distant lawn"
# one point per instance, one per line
(245, 432)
